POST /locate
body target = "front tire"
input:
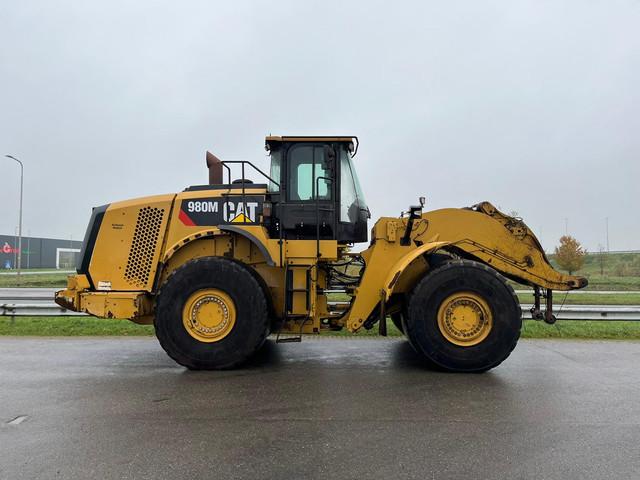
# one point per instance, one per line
(211, 313)
(463, 317)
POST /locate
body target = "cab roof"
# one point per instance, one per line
(280, 139)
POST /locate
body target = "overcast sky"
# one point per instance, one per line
(534, 106)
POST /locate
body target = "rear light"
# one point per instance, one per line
(266, 209)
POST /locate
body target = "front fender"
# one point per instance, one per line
(385, 263)
(400, 265)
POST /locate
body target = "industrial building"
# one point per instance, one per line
(39, 252)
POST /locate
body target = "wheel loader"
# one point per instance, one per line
(217, 268)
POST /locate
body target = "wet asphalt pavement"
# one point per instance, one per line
(325, 408)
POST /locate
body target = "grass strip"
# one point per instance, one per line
(52, 280)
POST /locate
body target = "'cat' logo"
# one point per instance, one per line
(214, 211)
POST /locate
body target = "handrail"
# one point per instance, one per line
(224, 162)
(244, 183)
(317, 198)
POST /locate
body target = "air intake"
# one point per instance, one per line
(143, 246)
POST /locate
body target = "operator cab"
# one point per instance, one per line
(315, 191)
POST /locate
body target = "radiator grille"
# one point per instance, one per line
(143, 246)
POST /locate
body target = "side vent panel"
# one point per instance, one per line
(143, 246)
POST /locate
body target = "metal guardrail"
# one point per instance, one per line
(576, 312)
(36, 310)
(592, 312)
(46, 308)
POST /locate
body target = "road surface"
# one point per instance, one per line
(325, 408)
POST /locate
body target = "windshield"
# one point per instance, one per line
(351, 196)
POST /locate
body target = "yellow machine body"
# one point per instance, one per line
(142, 241)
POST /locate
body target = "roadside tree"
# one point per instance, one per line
(570, 254)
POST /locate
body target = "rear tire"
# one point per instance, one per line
(463, 317)
(240, 322)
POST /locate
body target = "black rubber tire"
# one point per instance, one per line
(252, 321)
(396, 318)
(437, 260)
(421, 324)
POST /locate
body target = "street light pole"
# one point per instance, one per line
(20, 214)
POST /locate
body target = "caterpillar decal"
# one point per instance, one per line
(215, 211)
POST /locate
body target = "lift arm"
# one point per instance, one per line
(502, 242)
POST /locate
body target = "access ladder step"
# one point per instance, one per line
(289, 339)
(294, 285)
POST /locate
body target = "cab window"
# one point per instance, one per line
(306, 167)
(351, 197)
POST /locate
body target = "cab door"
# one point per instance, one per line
(309, 193)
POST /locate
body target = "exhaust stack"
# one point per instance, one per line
(214, 164)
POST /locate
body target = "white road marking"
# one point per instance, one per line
(18, 420)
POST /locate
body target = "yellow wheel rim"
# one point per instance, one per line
(465, 319)
(209, 315)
